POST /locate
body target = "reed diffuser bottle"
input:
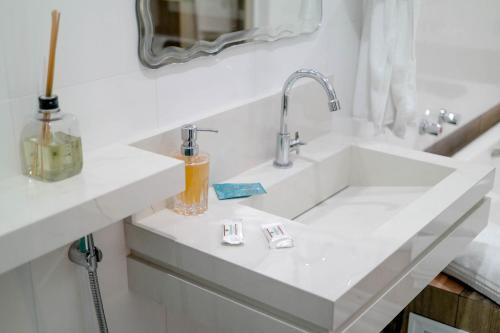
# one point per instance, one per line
(51, 144)
(50, 141)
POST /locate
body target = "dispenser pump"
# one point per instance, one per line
(189, 134)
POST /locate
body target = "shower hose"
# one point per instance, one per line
(84, 253)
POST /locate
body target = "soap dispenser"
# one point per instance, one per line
(194, 199)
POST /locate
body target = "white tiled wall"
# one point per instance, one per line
(8, 144)
(99, 78)
(458, 47)
(4, 94)
(17, 313)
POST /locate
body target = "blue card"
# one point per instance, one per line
(233, 191)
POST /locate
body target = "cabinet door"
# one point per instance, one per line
(193, 309)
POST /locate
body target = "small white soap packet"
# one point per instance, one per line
(277, 236)
(232, 232)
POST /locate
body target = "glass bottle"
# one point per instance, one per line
(51, 147)
(194, 199)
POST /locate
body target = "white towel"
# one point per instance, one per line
(385, 91)
(479, 266)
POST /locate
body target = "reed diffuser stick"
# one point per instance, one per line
(52, 52)
(56, 15)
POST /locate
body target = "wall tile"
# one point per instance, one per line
(20, 35)
(62, 288)
(279, 59)
(206, 85)
(17, 304)
(108, 110)
(471, 25)
(345, 20)
(466, 47)
(113, 109)
(9, 152)
(332, 51)
(127, 312)
(92, 40)
(91, 45)
(4, 92)
(247, 133)
(130, 35)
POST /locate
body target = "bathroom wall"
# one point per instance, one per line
(100, 79)
(458, 47)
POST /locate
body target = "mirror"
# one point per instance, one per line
(173, 31)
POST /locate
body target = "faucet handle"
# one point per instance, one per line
(207, 130)
(296, 143)
(446, 116)
(428, 127)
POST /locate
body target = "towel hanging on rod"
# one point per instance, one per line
(385, 91)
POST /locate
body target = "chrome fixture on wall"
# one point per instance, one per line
(84, 253)
(285, 144)
(448, 117)
(429, 126)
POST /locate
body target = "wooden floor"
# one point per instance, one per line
(450, 302)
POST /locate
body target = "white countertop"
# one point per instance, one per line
(325, 270)
(116, 181)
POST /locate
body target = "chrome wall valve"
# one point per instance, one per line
(428, 127)
(448, 117)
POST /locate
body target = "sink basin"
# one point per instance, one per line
(372, 225)
(338, 193)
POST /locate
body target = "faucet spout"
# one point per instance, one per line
(284, 143)
(333, 101)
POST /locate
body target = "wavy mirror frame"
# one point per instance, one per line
(202, 48)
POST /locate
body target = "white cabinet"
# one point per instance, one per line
(194, 309)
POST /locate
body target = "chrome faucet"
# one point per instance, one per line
(285, 144)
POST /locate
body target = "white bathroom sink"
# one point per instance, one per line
(338, 193)
(372, 225)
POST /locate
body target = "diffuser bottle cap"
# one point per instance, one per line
(48, 104)
(189, 134)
